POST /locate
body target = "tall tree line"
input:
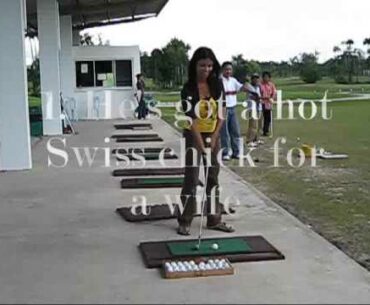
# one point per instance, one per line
(167, 66)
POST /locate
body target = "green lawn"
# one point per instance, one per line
(294, 88)
(34, 101)
(334, 197)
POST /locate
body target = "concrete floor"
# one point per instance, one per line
(62, 242)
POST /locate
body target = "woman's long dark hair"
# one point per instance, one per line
(213, 79)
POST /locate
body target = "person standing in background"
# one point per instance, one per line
(140, 87)
(254, 112)
(230, 133)
(268, 95)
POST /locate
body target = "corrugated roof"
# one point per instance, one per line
(92, 13)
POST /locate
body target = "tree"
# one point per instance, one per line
(295, 64)
(156, 58)
(90, 40)
(309, 68)
(86, 39)
(239, 67)
(347, 63)
(33, 77)
(366, 43)
(146, 65)
(167, 66)
(175, 61)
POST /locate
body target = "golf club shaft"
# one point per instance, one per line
(272, 124)
(204, 198)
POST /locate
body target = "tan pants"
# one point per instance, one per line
(254, 127)
(189, 188)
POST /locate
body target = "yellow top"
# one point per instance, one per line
(206, 116)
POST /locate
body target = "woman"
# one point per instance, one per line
(202, 97)
(140, 86)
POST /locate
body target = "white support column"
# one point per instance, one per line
(67, 70)
(49, 39)
(15, 147)
(76, 38)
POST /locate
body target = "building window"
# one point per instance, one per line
(123, 73)
(85, 74)
(104, 73)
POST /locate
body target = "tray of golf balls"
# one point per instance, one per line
(197, 267)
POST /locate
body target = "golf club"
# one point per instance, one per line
(204, 198)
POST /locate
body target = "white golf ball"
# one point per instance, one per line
(195, 268)
(170, 269)
(192, 263)
(214, 246)
(213, 265)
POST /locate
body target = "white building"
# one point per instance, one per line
(98, 79)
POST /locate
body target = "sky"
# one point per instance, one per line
(261, 29)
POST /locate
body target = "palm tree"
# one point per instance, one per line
(366, 43)
(348, 56)
(349, 43)
(336, 49)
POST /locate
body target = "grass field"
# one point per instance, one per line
(333, 197)
(34, 101)
(294, 88)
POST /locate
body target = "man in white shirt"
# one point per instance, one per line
(230, 133)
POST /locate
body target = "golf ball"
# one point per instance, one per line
(170, 269)
(214, 246)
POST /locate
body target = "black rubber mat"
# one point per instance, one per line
(135, 136)
(155, 253)
(150, 156)
(137, 126)
(136, 140)
(149, 172)
(152, 182)
(144, 150)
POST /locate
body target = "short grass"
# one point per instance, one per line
(333, 197)
(34, 101)
(294, 88)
